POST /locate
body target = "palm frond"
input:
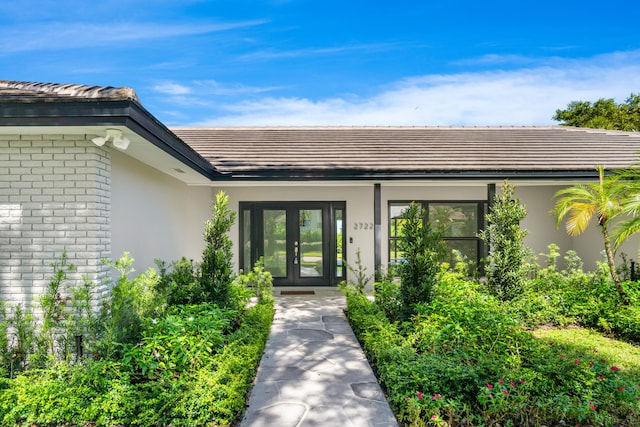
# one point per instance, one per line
(579, 217)
(625, 229)
(631, 203)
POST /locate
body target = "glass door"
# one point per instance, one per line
(274, 242)
(301, 243)
(309, 249)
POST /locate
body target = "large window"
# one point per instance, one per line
(459, 221)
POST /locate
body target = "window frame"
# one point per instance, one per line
(481, 211)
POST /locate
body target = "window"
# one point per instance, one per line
(459, 221)
(396, 231)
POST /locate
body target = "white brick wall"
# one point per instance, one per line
(55, 195)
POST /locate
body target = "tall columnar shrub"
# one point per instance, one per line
(21, 338)
(5, 354)
(53, 304)
(422, 250)
(216, 267)
(503, 236)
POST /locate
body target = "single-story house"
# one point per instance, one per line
(88, 170)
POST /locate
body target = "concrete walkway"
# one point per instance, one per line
(313, 371)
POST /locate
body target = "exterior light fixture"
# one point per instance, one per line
(99, 141)
(116, 138)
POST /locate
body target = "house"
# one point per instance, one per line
(88, 170)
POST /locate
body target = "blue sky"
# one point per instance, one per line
(325, 62)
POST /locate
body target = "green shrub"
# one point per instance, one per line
(151, 362)
(258, 282)
(389, 354)
(216, 267)
(422, 250)
(5, 353)
(82, 318)
(22, 338)
(69, 394)
(359, 271)
(180, 282)
(129, 301)
(386, 294)
(183, 340)
(65, 313)
(213, 394)
(26, 343)
(219, 397)
(572, 296)
(52, 338)
(212, 376)
(470, 335)
(505, 268)
(463, 360)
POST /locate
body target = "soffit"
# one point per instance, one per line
(139, 148)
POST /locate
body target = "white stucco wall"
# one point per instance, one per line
(590, 247)
(154, 215)
(540, 224)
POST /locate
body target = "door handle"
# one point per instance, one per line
(295, 253)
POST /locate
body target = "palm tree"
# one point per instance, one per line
(584, 201)
(630, 203)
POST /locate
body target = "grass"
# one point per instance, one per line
(588, 342)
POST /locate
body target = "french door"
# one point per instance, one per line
(300, 243)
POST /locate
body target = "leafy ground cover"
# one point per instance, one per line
(193, 365)
(178, 347)
(573, 297)
(465, 359)
(120, 393)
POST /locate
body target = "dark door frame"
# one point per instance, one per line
(332, 272)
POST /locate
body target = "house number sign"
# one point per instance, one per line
(363, 226)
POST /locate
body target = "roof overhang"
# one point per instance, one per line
(292, 175)
(151, 141)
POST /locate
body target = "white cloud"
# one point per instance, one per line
(494, 59)
(524, 96)
(57, 36)
(170, 88)
(204, 88)
(212, 87)
(297, 53)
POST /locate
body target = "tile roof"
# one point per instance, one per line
(329, 152)
(410, 150)
(31, 92)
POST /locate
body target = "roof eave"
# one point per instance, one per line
(91, 112)
(439, 175)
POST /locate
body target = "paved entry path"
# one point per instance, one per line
(313, 371)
